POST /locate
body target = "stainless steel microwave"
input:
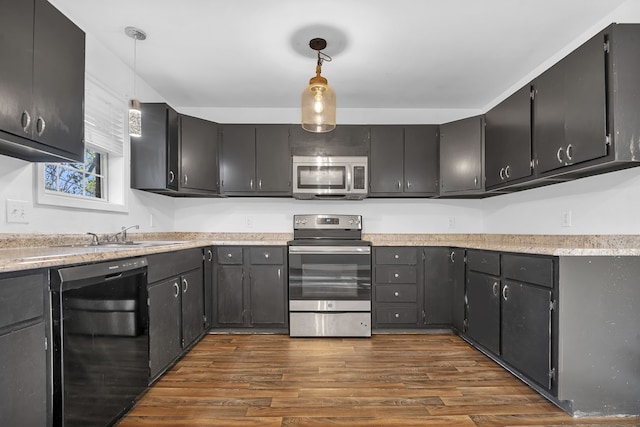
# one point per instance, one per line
(340, 177)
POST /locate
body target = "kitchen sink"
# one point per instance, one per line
(120, 244)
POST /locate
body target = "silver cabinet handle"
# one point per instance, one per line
(507, 171)
(185, 286)
(229, 255)
(175, 285)
(40, 125)
(26, 120)
(260, 184)
(502, 173)
(210, 255)
(186, 179)
(408, 184)
(569, 151)
(495, 289)
(399, 184)
(266, 255)
(475, 181)
(251, 183)
(396, 275)
(396, 293)
(279, 274)
(172, 176)
(452, 256)
(505, 292)
(396, 256)
(397, 315)
(559, 155)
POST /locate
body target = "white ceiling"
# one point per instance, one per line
(386, 53)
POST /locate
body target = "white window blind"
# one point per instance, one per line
(104, 118)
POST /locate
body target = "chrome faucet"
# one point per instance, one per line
(124, 232)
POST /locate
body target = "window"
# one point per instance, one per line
(101, 181)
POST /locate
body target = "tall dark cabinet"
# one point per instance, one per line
(403, 161)
(462, 157)
(508, 140)
(255, 160)
(42, 118)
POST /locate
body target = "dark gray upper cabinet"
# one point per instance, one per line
(198, 155)
(403, 161)
(582, 114)
(462, 157)
(154, 156)
(176, 155)
(255, 160)
(42, 118)
(508, 140)
(344, 140)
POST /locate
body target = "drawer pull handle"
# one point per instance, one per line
(397, 315)
(396, 256)
(229, 255)
(266, 255)
(396, 293)
(396, 275)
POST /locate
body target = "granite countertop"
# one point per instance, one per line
(27, 251)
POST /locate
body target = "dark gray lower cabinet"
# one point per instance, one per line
(250, 288)
(457, 273)
(176, 305)
(438, 289)
(483, 310)
(23, 353)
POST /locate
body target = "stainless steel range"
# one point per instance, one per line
(329, 277)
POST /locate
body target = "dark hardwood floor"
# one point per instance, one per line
(399, 380)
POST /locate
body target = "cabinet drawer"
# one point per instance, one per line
(530, 269)
(484, 262)
(169, 264)
(21, 298)
(395, 274)
(395, 255)
(229, 255)
(396, 313)
(396, 293)
(267, 255)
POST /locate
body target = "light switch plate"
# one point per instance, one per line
(565, 219)
(18, 211)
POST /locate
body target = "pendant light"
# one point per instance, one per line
(135, 115)
(319, 99)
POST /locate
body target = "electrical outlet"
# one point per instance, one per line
(18, 211)
(452, 222)
(249, 221)
(565, 219)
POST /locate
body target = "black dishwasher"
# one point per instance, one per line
(100, 334)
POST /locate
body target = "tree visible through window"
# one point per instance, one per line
(78, 179)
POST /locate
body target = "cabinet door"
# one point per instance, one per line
(16, 47)
(483, 310)
(58, 81)
(273, 159)
(508, 139)
(164, 324)
(268, 295)
(438, 292)
(526, 330)
(23, 377)
(198, 154)
(461, 156)
(192, 306)
(238, 159)
(386, 160)
(459, 304)
(421, 171)
(570, 109)
(208, 287)
(229, 295)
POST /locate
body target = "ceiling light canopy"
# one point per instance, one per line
(135, 115)
(319, 99)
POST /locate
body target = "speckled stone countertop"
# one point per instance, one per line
(30, 251)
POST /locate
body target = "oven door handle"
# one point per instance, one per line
(333, 250)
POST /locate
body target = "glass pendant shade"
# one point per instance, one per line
(318, 106)
(135, 118)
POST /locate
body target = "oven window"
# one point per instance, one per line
(322, 177)
(329, 277)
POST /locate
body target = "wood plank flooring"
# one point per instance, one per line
(402, 380)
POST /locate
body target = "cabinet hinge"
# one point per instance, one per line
(552, 305)
(607, 140)
(552, 373)
(607, 46)
(46, 344)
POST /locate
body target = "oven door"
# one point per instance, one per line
(329, 273)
